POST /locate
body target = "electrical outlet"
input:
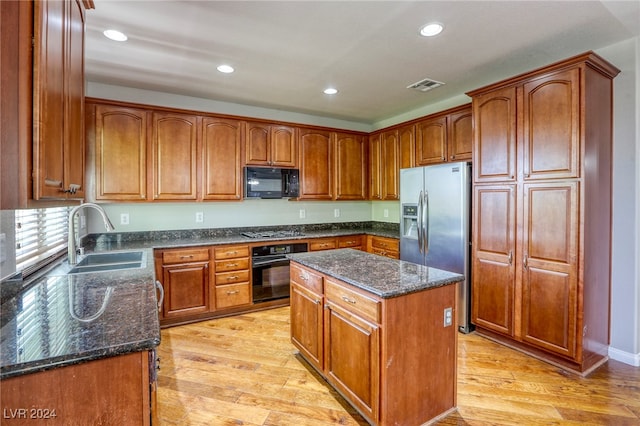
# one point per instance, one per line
(199, 217)
(303, 213)
(336, 212)
(448, 317)
(124, 218)
(385, 212)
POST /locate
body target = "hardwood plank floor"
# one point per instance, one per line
(243, 370)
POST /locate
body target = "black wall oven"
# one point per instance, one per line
(271, 270)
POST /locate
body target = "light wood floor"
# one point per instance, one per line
(242, 370)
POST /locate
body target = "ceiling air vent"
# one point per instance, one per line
(425, 85)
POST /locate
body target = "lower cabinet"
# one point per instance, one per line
(118, 390)
(392, 359)
(232, 276)
(383, 246)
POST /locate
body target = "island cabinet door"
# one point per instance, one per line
(352, 358)
(186, 289)
(306, 324)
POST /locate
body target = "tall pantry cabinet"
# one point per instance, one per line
(542, 211)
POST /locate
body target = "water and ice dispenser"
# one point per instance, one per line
(409, 223)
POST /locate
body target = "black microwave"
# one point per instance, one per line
(268, 182)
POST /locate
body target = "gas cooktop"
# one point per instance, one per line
(272, 234)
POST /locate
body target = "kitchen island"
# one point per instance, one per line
(382, 332)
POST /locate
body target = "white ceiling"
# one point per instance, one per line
(286, 52)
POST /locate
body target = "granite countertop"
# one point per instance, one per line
(62, 320)
(378, 275)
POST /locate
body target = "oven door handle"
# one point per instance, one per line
(283, 261)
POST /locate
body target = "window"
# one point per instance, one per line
(41, 236)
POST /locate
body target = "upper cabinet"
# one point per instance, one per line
(384, 165)
(42, 101)
(444, 137)
(316, 164)
(270, 145)
(118, 138)
(221, 169)
(350, 166)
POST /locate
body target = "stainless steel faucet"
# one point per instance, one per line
(72, 255)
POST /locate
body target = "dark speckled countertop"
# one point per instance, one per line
(60, 319)
(379, 275)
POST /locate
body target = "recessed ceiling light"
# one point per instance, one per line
(227, 69)
(431, 29)
(330, 91)
(115, 35)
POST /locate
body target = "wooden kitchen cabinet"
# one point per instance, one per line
(445, 136)
(542, 215)
(120, 141)
(174, 140)
(316, 244)
(271, 145)
(316, 164)
(384, 166)
(221, 159)
(407, 146)
(42, 100)
(383, 246)
(232, 276)
(364, 346)
(115, 390)
(350, 166)
(357, 242)
(185, 278)
(307, 322)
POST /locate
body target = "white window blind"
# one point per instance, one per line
(41, 236)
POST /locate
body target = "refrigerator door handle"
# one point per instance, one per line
(420, 206)
(425, 222)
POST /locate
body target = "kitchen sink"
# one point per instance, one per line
(114, 261)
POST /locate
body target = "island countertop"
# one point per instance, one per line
(381, 276)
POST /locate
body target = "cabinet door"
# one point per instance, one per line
(407, 141)
(283, 146)
(221, 169)
(375, 167)
(494, 233)
(551, 132)
(121, 153)
(186, 289)
(173, 145)
(352, 358)
(460, 136)
(390, 164)
(315, 165)
(494, 136)
(550, 252)
(74, 152)
(307, 323)
(257, 144)
(431, 141)
(49, 98)
(350, 164)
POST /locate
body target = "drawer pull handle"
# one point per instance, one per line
(232, 252)
(346, 299)
(185, 256)
(229, 293)
(235, 277)
(231, 265)
(304, 277)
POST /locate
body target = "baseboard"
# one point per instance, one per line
(626, 357)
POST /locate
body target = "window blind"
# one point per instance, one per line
(41, 236)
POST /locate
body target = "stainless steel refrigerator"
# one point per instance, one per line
(435, 224)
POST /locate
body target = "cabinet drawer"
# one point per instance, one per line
(232, 264)
(232, 277)
(230, 252)
(322, 244)
(386, 253)
(306, 278)
(185, 255)
(233, 295)
(352, 241)
(352, 301)
(389, 244)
